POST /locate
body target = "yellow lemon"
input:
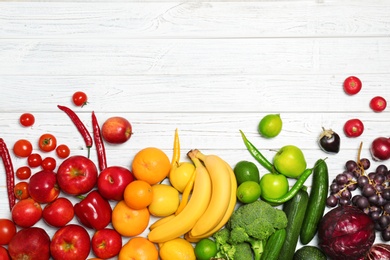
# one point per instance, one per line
(177, 249)
(181, 175)
(165, 200)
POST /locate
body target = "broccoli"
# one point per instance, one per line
(243, 252)
(252, 223)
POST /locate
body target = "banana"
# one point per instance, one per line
(228, 213)
(197, 205)
(161, 221)
(220, 197)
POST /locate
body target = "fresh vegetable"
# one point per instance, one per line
(49, 164)
(9, 171)
(21, 190)
(274, 245)
(295, 211)
(62, 151)
(380, 149)
(309, 253)
(47, 142)
(353, 127)
(27, 119)
(34, 160)
(290, 161)
(346, 232)
(329, 141)
(379, 251)
(23, 172)
(352, 85)
(93, 211)
(79, 125)
(378, 104)
(100, 149)
(317, 202)
(22, 148)
(79, 98)
(253, 223)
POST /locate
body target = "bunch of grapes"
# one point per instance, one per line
(374, 195)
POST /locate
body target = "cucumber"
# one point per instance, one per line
(317, 202)
(295, 211)
(274, 245)
(309, 253)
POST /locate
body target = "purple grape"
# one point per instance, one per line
(386, 234)
(332, 201)
(362, 181)
(365, 163)
(381, 169)
(368, 190)
(386, 194)
(351, 166)
(362, 202)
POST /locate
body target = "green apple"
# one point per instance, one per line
(290, 161)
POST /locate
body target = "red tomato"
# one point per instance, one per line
(352, 85)
(4, 255)
(21, 190)
(47, 142)
(23, 173)
(378, 104)
(49, 163)
(79, 98)
(22, 148)
(27, 119)
(7, 231)
(62, 151)
(34, 160)
(353, 127)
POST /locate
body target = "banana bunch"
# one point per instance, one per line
(210, 206)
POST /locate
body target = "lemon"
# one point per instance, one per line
(180, 177)
(165, 200)
(177, 249)
(248, 191)
(270, 125)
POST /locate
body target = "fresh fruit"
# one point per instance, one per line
(34, 160)
(176, 249)
(43, 187)
(7, 231)
(79, 98)
(273, 185)
(138, 194)
(290, 161)
(181, 175)
(151, 164)
(47, 142)
(270, 125)
(106, 243)
(4, 253)
(246, 171)
(23, 172)
(248, 191)
(129, 222)
(353, 127)
(380, 148)
(116, 130)
(22, 148)
(26, 213)
(165, 200)
(378, 104)
(112, 182)
(49, 163)
(62, 151)
(352, 85)
(59, 212)
(329, 141)
(27, 119)
(138, 248)
(205, 249)
(30, 243)
(21, 190)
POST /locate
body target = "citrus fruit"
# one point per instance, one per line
(248, 191)
(165, 200)
(138, 248)
(151, 164)
(270, 125)
(205, 249)
(177, 249)
(246, 171)
(138, 194)
(181, 175)
(129, 222)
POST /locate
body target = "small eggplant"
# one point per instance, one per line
(329, 141)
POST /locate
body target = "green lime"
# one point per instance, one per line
(270, 125)
(246, 171)
(205, 249)
(248, 191)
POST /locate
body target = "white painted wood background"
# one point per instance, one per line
(208, 68)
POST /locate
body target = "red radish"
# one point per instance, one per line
(378, 104)
(380, 149)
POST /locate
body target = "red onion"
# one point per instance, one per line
(379, 252)
(380, 149)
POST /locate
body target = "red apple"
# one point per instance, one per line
(116, 130)
(4, 254)
(43, 187)
(26, 212)
(30, 243)
(112, 182)
(106, 243)
(77, 175)
(70, 242)
(58, 213)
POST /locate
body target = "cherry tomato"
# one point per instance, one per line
(49, 163)
(21, 190)
(79, 98)
(22, 148)
(62, 151)
(34, 160)
(23, 173)
(27, 119)
(7, 231)
(47, 142)
(378, 104)
(352, 85)
(353, 127)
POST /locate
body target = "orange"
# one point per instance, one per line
(151, 164)
(129, 222)
(138, 248)
(138, 194)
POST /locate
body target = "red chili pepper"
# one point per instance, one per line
(100, 149)
(80, 126)
(93, 211)
(10, 174)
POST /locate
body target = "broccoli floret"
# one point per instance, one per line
(225, 250)
(243, 252)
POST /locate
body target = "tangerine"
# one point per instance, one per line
(138, 248)
(138, 194)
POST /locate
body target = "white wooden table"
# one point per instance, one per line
(208, 68)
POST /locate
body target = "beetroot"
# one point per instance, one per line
(379, 251)
(346, 232)
(31, 243)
